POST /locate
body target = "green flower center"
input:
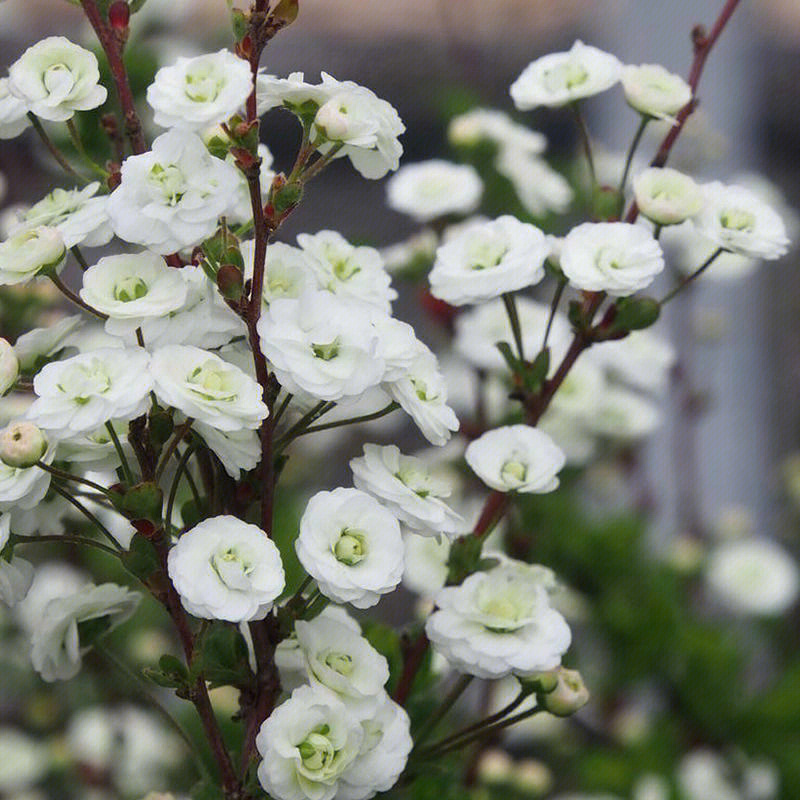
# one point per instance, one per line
(212, 381)
(485, 254)
(169, 181)
(350, 548)
(81, 382)
(737, 219)
(565, 76)
(326, 351)
(513, 472)
(203, 85)
(316, 750)
(339, 662)
(130, 288)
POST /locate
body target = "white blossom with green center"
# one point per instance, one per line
(516, 458)
(55, 78)
(207, 388)
(28, 252)
(666, 196)
(410, 488)
(558, 79)
(351, 545)
(82, 393)
(226, 569)
(482, 260)
(500, 621)
(196, 93)
(655, 92)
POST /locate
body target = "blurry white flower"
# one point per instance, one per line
(426, 567)
(9, 366)
(237, 450)
(497, 127)
(346, 270)
(351, 545)
(54, 78)
(204, 386)
(487, 259)
(539, 187)
(736, 219)
(13, 114)
(703, 774)
(613, 257)
(16, 577)
(753, 576)
(407, 487)
(422, 394)
(417, 249)
(516, 458)
(28, 252)
(322, 344)
(224, 568)
(666, 196)
(41, 343)
(79, 215)
(56, 648)
(432, 189)
(83, 392)
(654, 91)
(624, 415)
(194, 93)
(23, 761)
(132, 287)
(171, 197)
(642, 359)
(561, 78)
(500, 621)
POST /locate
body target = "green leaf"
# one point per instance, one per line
(141, 559)
(223, 656)
(171, 673)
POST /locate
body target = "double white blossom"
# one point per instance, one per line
(487, 259)
(500, 621)
(738, 220)
(13, 114)
(205, 387)
(83, 392)
(432, 189)
(558, 79)
(197, 92)
(56, 646)
(132, 288)
(287, 272)
(539, 187)
(171, 197)
(497, 127)
(516, 458)
(28, 252)
(408, 488)
(54, 78)
(613, 257)
(666, 196)
(237, 450)
(351, 545)
(654, 91)
(227, 569)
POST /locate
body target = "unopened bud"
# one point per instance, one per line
(286, 11)
(495, 766)
(119, 17)
(22, 444)
(9, 366)
(332, 120)
(532, 777)
(539, 682)
(569, 696)
(230, 282)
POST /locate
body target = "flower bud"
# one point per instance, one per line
(666, 196)
(119, 15)
(654, 91)
(22, 444)
(230, 282)
(29, 252)
(539, 682)
(9, 366)
(569, 696)
(332, 120)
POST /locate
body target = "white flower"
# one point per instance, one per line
(197, 92)
(497, 127)
(5, 529)
(500, 621)
(23, 762)
(407, 487)
(539, 187)
(622, 414)
(753, 576)
(82, 393)
(40, 344)
(579, 393)
(688, 249)
(292, 92)
(487, 259)
(703, 774)
(351, 545)
(432, 189)
(96, 447)
(204, 386)
(56, 646)
(171, 197)
(426, 563)
(322, 344)
(558, 79)
(287, 272)
(227, 569)
(346, 270)
(28, 252)
(204, 319)
(654, 91)
(516, 458)
(342, 660)
(366, 127)
(9, 366)
(79, 216)
(23, 488)
(306, 744)
(422, 394)
(666, 196)
(613, 257)
(642, 359)
(22, 444)
(13, 114)
(16, 577)
(479, 329)
(237, 450)
(55, 78)
(738, 220)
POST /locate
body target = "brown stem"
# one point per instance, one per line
(113, 51)
(411, 665)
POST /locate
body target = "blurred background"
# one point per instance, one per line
(724, 460)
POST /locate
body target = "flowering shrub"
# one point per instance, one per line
(161, 435)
